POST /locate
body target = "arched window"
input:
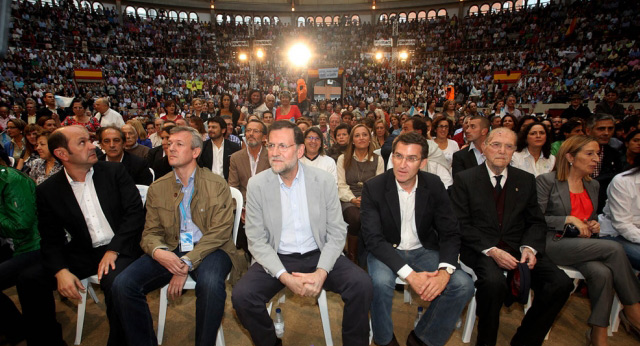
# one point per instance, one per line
(193, 17)
(383, 17)
(276, 20)
(266, 20)
(485, 8)
(507, 6)
(327, 21)
(402, 17)
(247, 19)
(184, 16)
(85, 5)
(496, 7)
(544, 3)
(519, 5)
(442, 13)
(142, 13)
(300, 21)
(319, 21)
(412, 16)
(98, 6)
(257, 20)
(310, 20)
(336, 20)
(422, 15)
(129, 11)
(238, 19)
(393, 16)
(532, 3)
(218, 18)
(473, 10)
(431, 14)
(75, 3)
(355, 19)
(174, 15)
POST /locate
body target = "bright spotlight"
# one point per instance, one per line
(260, 54)
(404, 56)
(242, 57)
(379, 56)
(299, 54)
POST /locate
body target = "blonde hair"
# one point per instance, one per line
(348, 153)
(571, 146)
(137, 125)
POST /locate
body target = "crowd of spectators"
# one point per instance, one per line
(147, 61)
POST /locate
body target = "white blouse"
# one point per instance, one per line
(621, 213)
(525, 161)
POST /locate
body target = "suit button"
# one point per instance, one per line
(395, 245)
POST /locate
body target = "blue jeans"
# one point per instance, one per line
(632, 250)
(145, 275)
(438, 322)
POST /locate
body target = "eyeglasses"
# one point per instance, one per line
(498, 146)
(281, 146)
(443, 126)
(313, 138)
(252, 131)
(411, 158)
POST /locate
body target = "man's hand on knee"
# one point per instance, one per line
(69, 284)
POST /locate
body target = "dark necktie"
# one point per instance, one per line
(498, 187)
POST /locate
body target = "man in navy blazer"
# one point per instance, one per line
(99, 206)
(209, 158)
(410, 231)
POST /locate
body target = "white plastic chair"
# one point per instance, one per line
(87, 282)
(190, 284)
(153, 174)
(470, 319)
(82, 306)
(12, 161)
(614, 318)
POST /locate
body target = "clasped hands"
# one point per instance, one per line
(506, 261)
(175, 266)
(304, 284)
(428, 285)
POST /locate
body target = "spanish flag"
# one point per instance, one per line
(507, 76)
(87, 75)
(572, 27)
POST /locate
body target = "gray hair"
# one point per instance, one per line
(591, 122)
(196, 137)
(104, 101)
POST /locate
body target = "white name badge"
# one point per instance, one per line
(186, 241)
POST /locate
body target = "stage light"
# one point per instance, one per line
(379, 56)
(299, 54)
(404, 56)
(242, 57)
(260, 53)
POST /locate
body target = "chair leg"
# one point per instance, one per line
(82, 306)
(220, 337)
(269, 308)
(614, 320)
(370, 332)
(528, 305)
(470, 321)
(407, 294)
(92, 293)
(324, 315)
(162, 313)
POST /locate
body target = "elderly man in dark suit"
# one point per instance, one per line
(98, 204)
(472, 155)
(112, 141)
(410, 231)
(502, 224)
(217, 151)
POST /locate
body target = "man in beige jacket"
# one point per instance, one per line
(188, 231)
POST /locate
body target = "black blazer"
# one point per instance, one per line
(206, 156)
(159, 163)
(381, 220)
(611, 165)
(137, 168)
(462, 160)
(473, 203)
(58, 211)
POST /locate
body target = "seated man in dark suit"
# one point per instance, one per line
(501, 223)
(471, 156)
(112, 140)
(410, 231)
(100, 208)
(217, 151)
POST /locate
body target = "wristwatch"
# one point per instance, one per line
(449, 270)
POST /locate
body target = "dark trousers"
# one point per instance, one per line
(35, 290)
(11, 323)
(146, 274)
(256, 288)
(551, 287)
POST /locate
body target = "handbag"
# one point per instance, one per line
(570, 231)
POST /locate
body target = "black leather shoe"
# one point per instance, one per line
(393, 342)
(413, 340)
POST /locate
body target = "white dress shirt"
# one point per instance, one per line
(216, 166)
(87, 197)
(323, 162)
(479, 156)
(110, 117)
(621, 213)
(526, 162)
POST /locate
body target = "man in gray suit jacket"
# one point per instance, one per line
(296, 235)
